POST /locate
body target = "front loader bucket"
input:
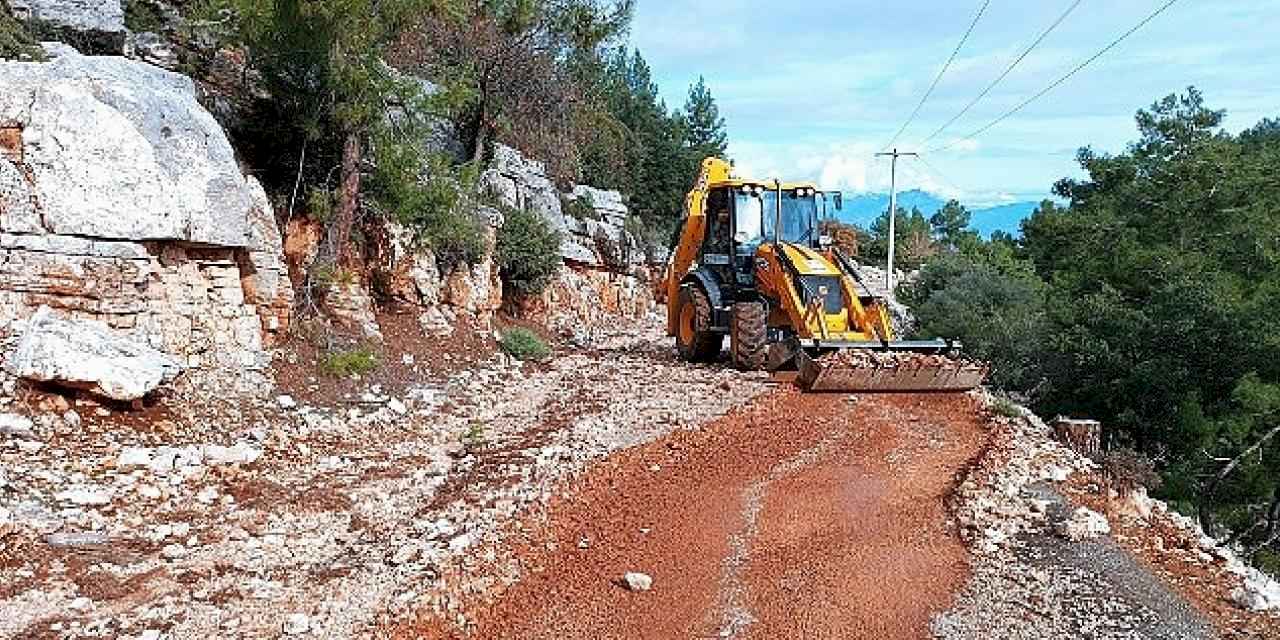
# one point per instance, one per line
(870, 371)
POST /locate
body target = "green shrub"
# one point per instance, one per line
(1006, 407)
(357, 361)
(528, 252)
(143, 15)
(456, 237)
(997, 311)
(16, 40)
(427, 194)
(581, 208)
(1268, 560)
(474, 437)
(524, 344)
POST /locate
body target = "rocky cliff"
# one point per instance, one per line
(606, 274)
(121, 201)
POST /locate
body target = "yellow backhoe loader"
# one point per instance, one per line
(751, 264)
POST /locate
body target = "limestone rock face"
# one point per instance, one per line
(101, 21)
(350, 304)
(119, 150)
(580, 301)
(88, 355)
(412, 273)
(121, 203)
(596, 238)
(265, 276)
(413, 276)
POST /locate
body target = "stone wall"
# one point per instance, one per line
(121, 201)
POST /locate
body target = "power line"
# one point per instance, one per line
(936, 80)
(1006, 72)
(1056, 83)
(942, 175)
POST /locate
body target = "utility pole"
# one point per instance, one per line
(893, 211)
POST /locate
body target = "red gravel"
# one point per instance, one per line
(850, 538)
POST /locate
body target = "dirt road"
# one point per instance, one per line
(816, 516)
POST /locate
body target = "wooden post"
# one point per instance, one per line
(1082, 436)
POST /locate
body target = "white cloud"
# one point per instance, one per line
(844, 173)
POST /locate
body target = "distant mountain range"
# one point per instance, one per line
(863, 208)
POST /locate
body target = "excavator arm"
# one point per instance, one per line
(692, 233)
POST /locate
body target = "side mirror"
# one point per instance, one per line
(838, 198)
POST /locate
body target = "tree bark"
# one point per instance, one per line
(1082, 436)
(348, 201)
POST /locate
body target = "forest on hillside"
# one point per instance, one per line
(344, 92)
(1150, 301)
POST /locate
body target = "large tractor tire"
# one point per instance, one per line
(749, 336)
(694, 338)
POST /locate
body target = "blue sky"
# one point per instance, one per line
(814, 89)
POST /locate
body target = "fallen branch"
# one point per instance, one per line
(1226, 471)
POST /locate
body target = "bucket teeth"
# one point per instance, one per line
(863, 370)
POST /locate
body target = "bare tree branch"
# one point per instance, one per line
(1226, 471)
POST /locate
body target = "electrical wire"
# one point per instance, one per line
(934, 170)
(1045, 34)
(936, 80)
(1056, 83)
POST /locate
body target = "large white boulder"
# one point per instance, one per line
(88, 355)
(116, 149)
(1258, 593)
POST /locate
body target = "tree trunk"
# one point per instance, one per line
(482, 141)
(1082, 436)
(348, 201)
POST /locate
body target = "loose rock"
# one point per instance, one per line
(1259, 593)
(85, 354)
(297, 624)
(85, 496)
(12, 424)
(1084, 524)
(637, 581)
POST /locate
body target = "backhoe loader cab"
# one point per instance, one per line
(751, 264)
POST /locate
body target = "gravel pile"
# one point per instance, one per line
(1046, 567)
(250, 515)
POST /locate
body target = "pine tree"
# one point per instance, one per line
(950, 223)
(326, 86)
(704, 127)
